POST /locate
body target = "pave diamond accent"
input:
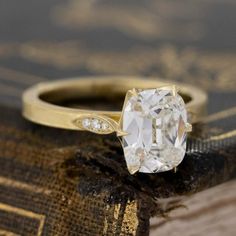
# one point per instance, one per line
(86, 123)
(155, 120)
(94, 124)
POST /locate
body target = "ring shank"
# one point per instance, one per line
(38, 100)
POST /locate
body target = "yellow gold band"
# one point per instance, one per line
(40, 102)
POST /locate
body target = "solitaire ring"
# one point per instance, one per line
(152, 126)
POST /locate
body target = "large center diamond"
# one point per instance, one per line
(155, 122)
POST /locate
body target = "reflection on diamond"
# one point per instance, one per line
(155, 121)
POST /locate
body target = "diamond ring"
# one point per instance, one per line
(152, 126)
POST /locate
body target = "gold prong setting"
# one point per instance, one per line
(174, 90)
(121, 133)
(188, 127)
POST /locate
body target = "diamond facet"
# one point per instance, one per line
(155, 120)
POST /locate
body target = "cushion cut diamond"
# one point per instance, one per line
(155, 122)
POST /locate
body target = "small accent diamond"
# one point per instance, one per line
(105, 126)
(86, 123)
(96, 124)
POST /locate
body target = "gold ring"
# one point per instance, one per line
(152, 125)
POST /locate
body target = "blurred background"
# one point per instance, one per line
(193, 41)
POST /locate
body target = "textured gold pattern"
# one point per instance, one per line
(22, 212)
(7, 233)
(130, 220)
(24, 186)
